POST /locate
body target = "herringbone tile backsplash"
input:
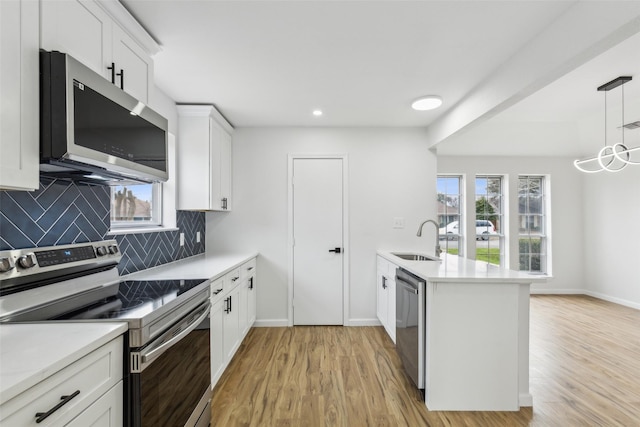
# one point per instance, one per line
(60, 213)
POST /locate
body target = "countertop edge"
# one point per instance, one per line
(510, 277)
(117, 329)
(218, 265)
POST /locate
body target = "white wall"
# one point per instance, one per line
(612, 236)
(566, 237)
(391, 174)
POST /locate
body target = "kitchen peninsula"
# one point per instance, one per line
(477, 331)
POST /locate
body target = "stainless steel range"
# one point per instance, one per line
(167, 356)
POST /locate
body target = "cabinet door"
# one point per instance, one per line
(194, 158)
(19, 85)
(215, 161)
(383, 300)
(134, 64)
(80, 28)
(217, 342)
(107, 411)
(225, 169)
(391, 308)
(231, 333)
(252, 300)
(243, 308)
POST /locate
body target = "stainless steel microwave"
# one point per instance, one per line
(93, 131)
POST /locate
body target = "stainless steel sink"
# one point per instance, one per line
(414, 257)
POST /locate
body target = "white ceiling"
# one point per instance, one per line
(270, 63)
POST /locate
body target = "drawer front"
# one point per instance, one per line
(217, 289)
(247, 269)
(92, 375)
(391, 270)
(107, 411)
(382, 265)
(232, 279)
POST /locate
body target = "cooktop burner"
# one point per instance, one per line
(134, 299)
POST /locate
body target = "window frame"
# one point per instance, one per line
(500, 225)
(156, 210)
(543, 222)
(460, 236)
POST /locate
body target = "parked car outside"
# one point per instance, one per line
(483, 229)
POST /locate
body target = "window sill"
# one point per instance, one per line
(139, 230)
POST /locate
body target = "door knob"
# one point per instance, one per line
(336, 250)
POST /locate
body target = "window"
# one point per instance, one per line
(136, 205)
(450, 213)
(489, 220)
(532, 218)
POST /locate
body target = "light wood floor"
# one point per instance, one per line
(584, 364)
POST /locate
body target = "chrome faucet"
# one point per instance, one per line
(435, 224)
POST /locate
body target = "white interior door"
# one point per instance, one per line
(318, 241)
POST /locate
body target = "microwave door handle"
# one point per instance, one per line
(147, 357)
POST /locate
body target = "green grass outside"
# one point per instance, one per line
(490, 255)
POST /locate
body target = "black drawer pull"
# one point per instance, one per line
(217, 291)
(41, 416)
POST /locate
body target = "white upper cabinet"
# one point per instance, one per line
(104, 37)
(19, 99)
(204, 159)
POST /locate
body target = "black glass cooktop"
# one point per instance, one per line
(133, 299)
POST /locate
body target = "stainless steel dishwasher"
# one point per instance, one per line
(410, 325)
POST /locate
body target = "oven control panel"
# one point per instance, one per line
(51, 260)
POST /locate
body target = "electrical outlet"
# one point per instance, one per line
(198, 237)
(398, 222)
(181, 239)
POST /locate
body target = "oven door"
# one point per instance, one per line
(170, 379)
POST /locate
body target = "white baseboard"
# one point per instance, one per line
(277, 323)
(553, 291)
(620, 301)
(525, 400)
(598, 295)
(363, 322)
(271, 323)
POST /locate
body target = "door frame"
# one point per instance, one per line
(345, 230)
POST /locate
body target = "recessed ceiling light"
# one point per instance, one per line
(425, 103)
(317, 113)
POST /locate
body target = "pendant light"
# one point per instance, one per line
(611, 158)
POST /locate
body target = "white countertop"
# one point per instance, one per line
(31, 352)
(203, 266)
(452, 268)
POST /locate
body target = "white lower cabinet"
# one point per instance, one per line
(233, 312)
(386, 296)
(231, 323)
(91, 388)
(107, 411)
(217, 343)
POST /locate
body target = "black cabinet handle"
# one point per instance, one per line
(251, 283)
(217, 291)
(336, 250)
(121, 75)
(227, 307)
(230, 304)
(113, 72)
(224, 203)
(384, 282)
(41, 416)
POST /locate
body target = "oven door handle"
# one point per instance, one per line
(147, 357)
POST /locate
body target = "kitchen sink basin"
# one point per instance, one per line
(414, 257)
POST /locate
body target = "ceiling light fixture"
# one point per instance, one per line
(610, 158)
(429, 102)
(317, 113)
